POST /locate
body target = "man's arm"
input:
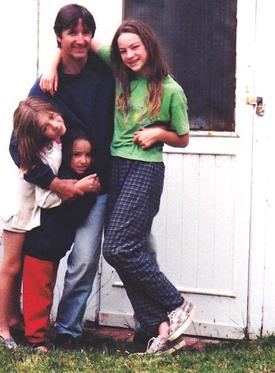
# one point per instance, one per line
(66, 189)
(43, 176)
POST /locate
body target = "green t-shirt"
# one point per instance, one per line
(173, 111)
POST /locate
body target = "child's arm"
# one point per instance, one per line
(48, 199)
(147, 137)
(65, 189)
(96, 45)
(49, 79)
(178, 132)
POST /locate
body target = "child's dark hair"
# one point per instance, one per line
(30, 139)
(67, 144)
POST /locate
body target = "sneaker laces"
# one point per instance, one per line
(172, 316)
(154, 344)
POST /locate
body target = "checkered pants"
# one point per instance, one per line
(136, 189)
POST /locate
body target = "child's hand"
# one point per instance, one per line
(49, 82)
(89, 183)
(147, 137)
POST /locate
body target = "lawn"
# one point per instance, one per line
(101, 354)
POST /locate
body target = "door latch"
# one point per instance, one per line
(258, 102)
(260, 106)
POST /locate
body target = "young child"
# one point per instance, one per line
(146, 94)
(38, 127)
(46, 244)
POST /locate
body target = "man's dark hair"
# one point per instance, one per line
(68, 16)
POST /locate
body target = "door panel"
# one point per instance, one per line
(196, 247)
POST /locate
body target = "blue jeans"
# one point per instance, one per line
(82, 267)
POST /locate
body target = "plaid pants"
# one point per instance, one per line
(136, 189)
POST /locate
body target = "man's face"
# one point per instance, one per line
(76, 42)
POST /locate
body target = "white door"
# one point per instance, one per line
(202, 230)
(262, 253)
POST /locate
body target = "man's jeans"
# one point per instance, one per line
(82, 267)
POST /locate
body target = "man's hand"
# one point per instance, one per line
(89, 183)
(65, 188)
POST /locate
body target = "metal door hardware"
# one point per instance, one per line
(258, 102)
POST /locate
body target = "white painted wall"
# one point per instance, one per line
(18, 72)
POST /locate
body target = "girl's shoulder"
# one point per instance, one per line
(170, 83)
(51, 155)
(104, 53)
(51, 147)
(171, 88)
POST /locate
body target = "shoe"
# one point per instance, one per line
(156, 345)
(40, 347)
(180, 319)
(65, 341)
(177, 344)
(8, 342)
(160, 345)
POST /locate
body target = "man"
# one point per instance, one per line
(85, 97)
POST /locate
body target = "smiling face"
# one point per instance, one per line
(51, 124)
(81, 156)
(132, 52)
(75, 42)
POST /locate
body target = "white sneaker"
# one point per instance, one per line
(156, 345)
(180, 319)
(8, 342)
(160, 345)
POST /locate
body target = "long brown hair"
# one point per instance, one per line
(156, 66)
(30, 139)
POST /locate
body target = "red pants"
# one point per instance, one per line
(39, 277)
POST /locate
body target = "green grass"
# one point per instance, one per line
(106, 355)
